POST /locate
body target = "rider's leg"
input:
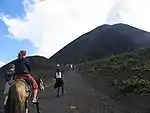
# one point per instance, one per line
(35, 92)
(6, 90)
(5, 99)
(35, 87)
(7, 85)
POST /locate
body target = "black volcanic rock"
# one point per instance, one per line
(101, 42)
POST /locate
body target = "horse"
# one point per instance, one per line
(19, 95)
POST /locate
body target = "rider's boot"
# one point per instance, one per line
(5, 99)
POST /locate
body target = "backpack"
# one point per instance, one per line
(58, 75)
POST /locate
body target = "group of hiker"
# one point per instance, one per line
(21, 68)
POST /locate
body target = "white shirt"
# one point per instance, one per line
(58, 75)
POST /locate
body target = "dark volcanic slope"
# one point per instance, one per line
(131, 68)
(101, 42)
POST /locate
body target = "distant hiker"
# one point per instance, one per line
(41, 83)
(59, 82)
(23, 70)
(58, 65)
(72, 67)
(9, 79)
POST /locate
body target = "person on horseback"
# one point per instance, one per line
(22, 69)
(9, 79)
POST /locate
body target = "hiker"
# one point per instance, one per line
(41, 83)
(59, 82)
(9, 79)
(22, 69)
(72, 67)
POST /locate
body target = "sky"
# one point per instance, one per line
(43, 27)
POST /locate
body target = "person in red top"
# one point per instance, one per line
(22, 69)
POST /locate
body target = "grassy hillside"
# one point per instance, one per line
(124, 78)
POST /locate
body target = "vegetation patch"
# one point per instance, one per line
(129, 71)
(134, 85)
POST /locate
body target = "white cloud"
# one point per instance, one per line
(2, 64)
(132, 12)
(51, 24)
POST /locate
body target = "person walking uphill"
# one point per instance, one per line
(9, 79)
(59, 82)
(22, 69)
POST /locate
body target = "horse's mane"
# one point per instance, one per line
(15, 104)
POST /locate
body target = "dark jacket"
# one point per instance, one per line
(9, 74)
(22, 66)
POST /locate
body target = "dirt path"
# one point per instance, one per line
(80, 98)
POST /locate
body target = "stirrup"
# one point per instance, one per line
(34, 101)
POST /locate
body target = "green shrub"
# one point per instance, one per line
(134, 85)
